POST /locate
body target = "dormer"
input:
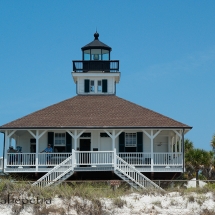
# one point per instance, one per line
(96, 73)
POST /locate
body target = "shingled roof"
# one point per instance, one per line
(94, 111)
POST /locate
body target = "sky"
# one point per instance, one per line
(166, 51)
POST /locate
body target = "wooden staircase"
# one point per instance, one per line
(132, 176)
(57, 174)
(124, 170)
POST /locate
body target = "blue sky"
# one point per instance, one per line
(166, 51)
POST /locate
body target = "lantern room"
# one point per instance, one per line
(96, 58)
(96, 50)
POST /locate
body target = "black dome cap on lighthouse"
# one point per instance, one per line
(96, 44)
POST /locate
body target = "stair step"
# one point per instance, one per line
(125, 172)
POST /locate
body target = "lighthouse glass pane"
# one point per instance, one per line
(105, 54)
(86, 55)
(96, 54)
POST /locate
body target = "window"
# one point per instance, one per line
(60, 139)
(92, 87)
(130, 139)
(99, 86)
(95, 86)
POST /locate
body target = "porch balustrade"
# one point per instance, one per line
(29, 159)
(52, 159)
(159, 159)
(95, 158)
(167, 159)
(136, 158)
(21, 159)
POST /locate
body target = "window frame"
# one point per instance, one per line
(99, 91)
(60, 133)
(133, 139)
(92, 85)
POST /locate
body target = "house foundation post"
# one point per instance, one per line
(152, 175)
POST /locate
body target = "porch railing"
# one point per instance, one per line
(136, 158)
(94, 158)
(52, 159)
(159, 159)
(21, 159)
(167, 159)
(29, 159)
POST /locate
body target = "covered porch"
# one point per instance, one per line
(148, 150)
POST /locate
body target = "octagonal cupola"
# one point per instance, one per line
(96, 73)
(96, 50)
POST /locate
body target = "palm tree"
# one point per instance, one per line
(213, 143)
(208, 170)
(197, 159)
(188, 145)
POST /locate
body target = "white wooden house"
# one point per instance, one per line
(95, 130)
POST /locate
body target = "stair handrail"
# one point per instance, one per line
(60, 176)
(135, 170)
(53, 169)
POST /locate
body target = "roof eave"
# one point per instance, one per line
(96, 127)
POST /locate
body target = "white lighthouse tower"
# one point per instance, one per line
(96, 73)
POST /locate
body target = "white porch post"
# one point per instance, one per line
(172, 143)
(75, 140)
(113, 140)
(73, 158)
(37, 137)
(114, 158)
(180, 143)
(5, 149)
(37, 149)
(113, 136)
(176, 143)
(151, 137)
(75, 137)
(7, 139)
(152, 151)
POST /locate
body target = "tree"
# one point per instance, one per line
(213, 142)
(208, 170)
(188, 145)
(198, 159)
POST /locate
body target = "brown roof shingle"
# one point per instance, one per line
(94, 111)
